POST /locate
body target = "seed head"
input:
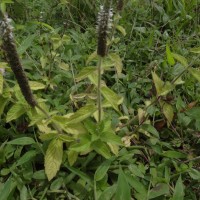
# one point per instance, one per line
(9, 47)
(120, 5)
(104, 23)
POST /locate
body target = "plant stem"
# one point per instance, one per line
(55, 126)
(99, 89)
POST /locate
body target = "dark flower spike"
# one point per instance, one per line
(104, 23)
(9, 47)
(120, 5)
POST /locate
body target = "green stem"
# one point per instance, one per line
(99, 89)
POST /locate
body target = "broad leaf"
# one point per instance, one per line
(121, 29)
(108, 193)
(111, 97)
(195, 73)
(117, 62)
(159, 190)
(168, 112)
(36, 85)
(123, 188)
(179, 190)
(101, 148)
(195, 50)
(84, 73)
(174, 154)
(162, 88)
(53, 158)
(170, 58)
(102, 170)
(180, 59)
(15, 112)
(22, 141)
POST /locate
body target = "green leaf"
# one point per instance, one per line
(83, 144)
(174, 154)
(195, 50)
(1, 83)
(102, 170)
(180, 59)
(15, 112)
(194, 174)
(7, 188)
(92, 57)
(168, 112)
(159, 190)
(80, 174)
(111, 97)
(22, 141)
(72, 157)
(84, 73)
(53, 158)
(121, 29)
(3, 102)
(36, 85)
(149, 128)
(47, 136)
(137, 185)
(123, 188)
(111, 137)
(117, 62)
(101, 148)
(161, 87)
(28, 156)
(195, 73)
(108, 193)
(65, 138)
(77, 117)
(26, 44)
(179, 190)
(39, 175)
(170, 58)
(24, 193)
(194, 113)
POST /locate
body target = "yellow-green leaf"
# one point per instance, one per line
(64, 66)
(168, 112)
(111, 97)
(53, 158)
(75, 118)
(117, 62)
(72, 157)
(1, 83)
(179, 190)
(92, 57)
(84, 73)
(121, 29)
(195, 50)
(195, 73)
(101, 148)
(36, 85)
(162, 88)
(170, 58)
(15, 111)
(180, 59)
